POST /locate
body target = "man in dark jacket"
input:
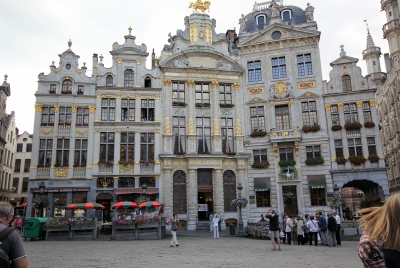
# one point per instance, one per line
(331, 230)
(322, 228)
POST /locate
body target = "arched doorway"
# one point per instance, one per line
(105, 199)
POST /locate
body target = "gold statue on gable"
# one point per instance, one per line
(200, 6)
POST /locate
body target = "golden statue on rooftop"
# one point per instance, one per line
(200, 5)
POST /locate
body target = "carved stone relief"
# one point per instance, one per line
(226, 112)
(178, 111)
(203, 112)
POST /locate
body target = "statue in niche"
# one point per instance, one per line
(274, 9)
(233, 50)
(171, 43)
(242, 23)
(309, 12)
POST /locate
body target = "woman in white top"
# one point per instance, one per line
(215, 222)
(313, 226)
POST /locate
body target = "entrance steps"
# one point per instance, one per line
(203, 225)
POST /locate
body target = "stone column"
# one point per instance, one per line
(91, 141)
(167, 114)
(157, 109)
(167, 91)
(216, 125)
(191, 146)
(118, 103)
(96, 151)
(237, 98)
(138, 106)
(192, 199)
(166, 195)
(218, 191)
(157, 140)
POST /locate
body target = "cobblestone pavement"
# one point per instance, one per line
(192, 252)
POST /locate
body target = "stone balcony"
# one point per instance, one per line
(79, 172)
(389, 26)
(285, 136)
(146, 168)
(43, 173)
(64, 131)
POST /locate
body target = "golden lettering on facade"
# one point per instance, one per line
(340, 106)
(254, 91)
(305, 85)
(327, 107)
(61, 172)
(167, 82)
(38, 108)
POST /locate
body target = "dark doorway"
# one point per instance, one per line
(105, 199)
(290, 200)
(205, 194)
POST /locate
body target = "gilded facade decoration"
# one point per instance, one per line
(209, 35)
(61, 172)
(372, 103)
(119, 61)
(193, 34)
(58, 69)
(82, 132)
(98, 95)
(56, 108)
(238, 127)
(216, 127)
(190, 83)
(92, 109)
(157, 97)
(200, 6)
(281, 89)
(255, 91)
(126, 169)
(340, 106)
(74, 109)
(359, 104)
(138, 62)
(167, 125)
(38, 108)
(327, 107)
(305, 85)
(79, 71)
(167, 82)
(191, 126)
(46, 132)
(214, 84)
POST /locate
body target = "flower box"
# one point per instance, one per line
(314, 161)
(148, 225)
(179, 103)
(341, 160)
(126, 163)
(352, 126)
(357, 159)
(373, 158)
(287, 163)
(307, 129)
(180, 153)
(260, 165)
(202, 152)
(105, 163)
(223, 105)
(52, 91)
(369, 124)
(230, 153)
(258, 133)
(66, 92)
(336, 127)
(206, 104)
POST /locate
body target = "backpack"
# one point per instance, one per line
(4, 259)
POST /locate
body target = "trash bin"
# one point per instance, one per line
(232, 228)
(33, 227)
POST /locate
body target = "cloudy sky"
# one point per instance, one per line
(33, 33)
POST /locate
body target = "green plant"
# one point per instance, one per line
(369, 124)
(373, 158)
(311, 128)
(357, 159)
(40, 201)
(287, 163)
(224, 105)
(336, 127)
(352, 126)
(315, 161)
(260, 165)
(341, 160)
(178, 103)
(258, 133)
(337, 203)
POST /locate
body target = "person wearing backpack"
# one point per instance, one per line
(12, 252)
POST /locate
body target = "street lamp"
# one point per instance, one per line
(41, 185)
(144, 187)
(336, 192)
(240, 188)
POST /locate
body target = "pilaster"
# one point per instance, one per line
(192, 199)
(218, 190)
(191, 148)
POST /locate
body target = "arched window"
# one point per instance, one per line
(229, 190)
(128, 78)
(109, 81)
(346, 83)
(261, 20)
(286, 15)
(67, 86)
(147, 81)
(179, 192)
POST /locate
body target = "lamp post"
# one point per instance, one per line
(240, 188)
(41, 185)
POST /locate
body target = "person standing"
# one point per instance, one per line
(273, 228)
(11, 243)
(322, 228)
(289, 228)
(313, 226)
(174, 228)
(306, 230)
(300, 231)
(283, 229)
(337, 228)
(216, 227)
(17, 224)
(210, 218)
(331, 231)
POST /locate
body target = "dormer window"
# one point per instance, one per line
(128, 78)
(147, 81)
(286, 15)
(52, 89)
(66, 87)
(261, 20)
(109, 81)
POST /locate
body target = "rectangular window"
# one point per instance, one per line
(27, 165)
(62, 153)
(82, 116)
(17, 167)
(282, 117)
(367, 112)
(355, 147)
(260, 156)
(178, 92)
(29, 147)
(128, 110)
(45, 152)
(335, 115)
(202, 95)
(339, 148)
(147, 110)
(318, 197)
(263, 198)
(254, 71)
(53, 88)
(225, 94)
(309, 113)
(350, 113)
(106, 147)
(47, 116)
(179, 132)
(80, 89)
(19, 147)
(203, 133)
(371, 146)
(126, 182)
(127, 147)
(107, 109)
(227, 135)
(59, 204)
(149, 181)
(15, 183)
(313, 151)
(80, 153)
(278, 68)
(25, 183)
(304, 64)
(147, 147)
(257, 118)
(64, 116)
(286, 153)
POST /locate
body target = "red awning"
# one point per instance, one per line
(150, 190)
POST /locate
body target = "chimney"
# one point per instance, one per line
(95, 64)
(153, 59)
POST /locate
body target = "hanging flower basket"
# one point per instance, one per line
(311, 128)
(40, 201)
(314, 161)
(258, 133)
(336, 127)
(352, 126)
(240, 202)
(373, 158)
(369, 124)
(260, 165)
(287, 163)
(341, 160)
(357, 159)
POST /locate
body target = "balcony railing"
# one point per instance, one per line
(43, 173)
(146, 168)
(64, 130)
(285, 135)
(79, 172)
(104, 169)
(390, 25)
